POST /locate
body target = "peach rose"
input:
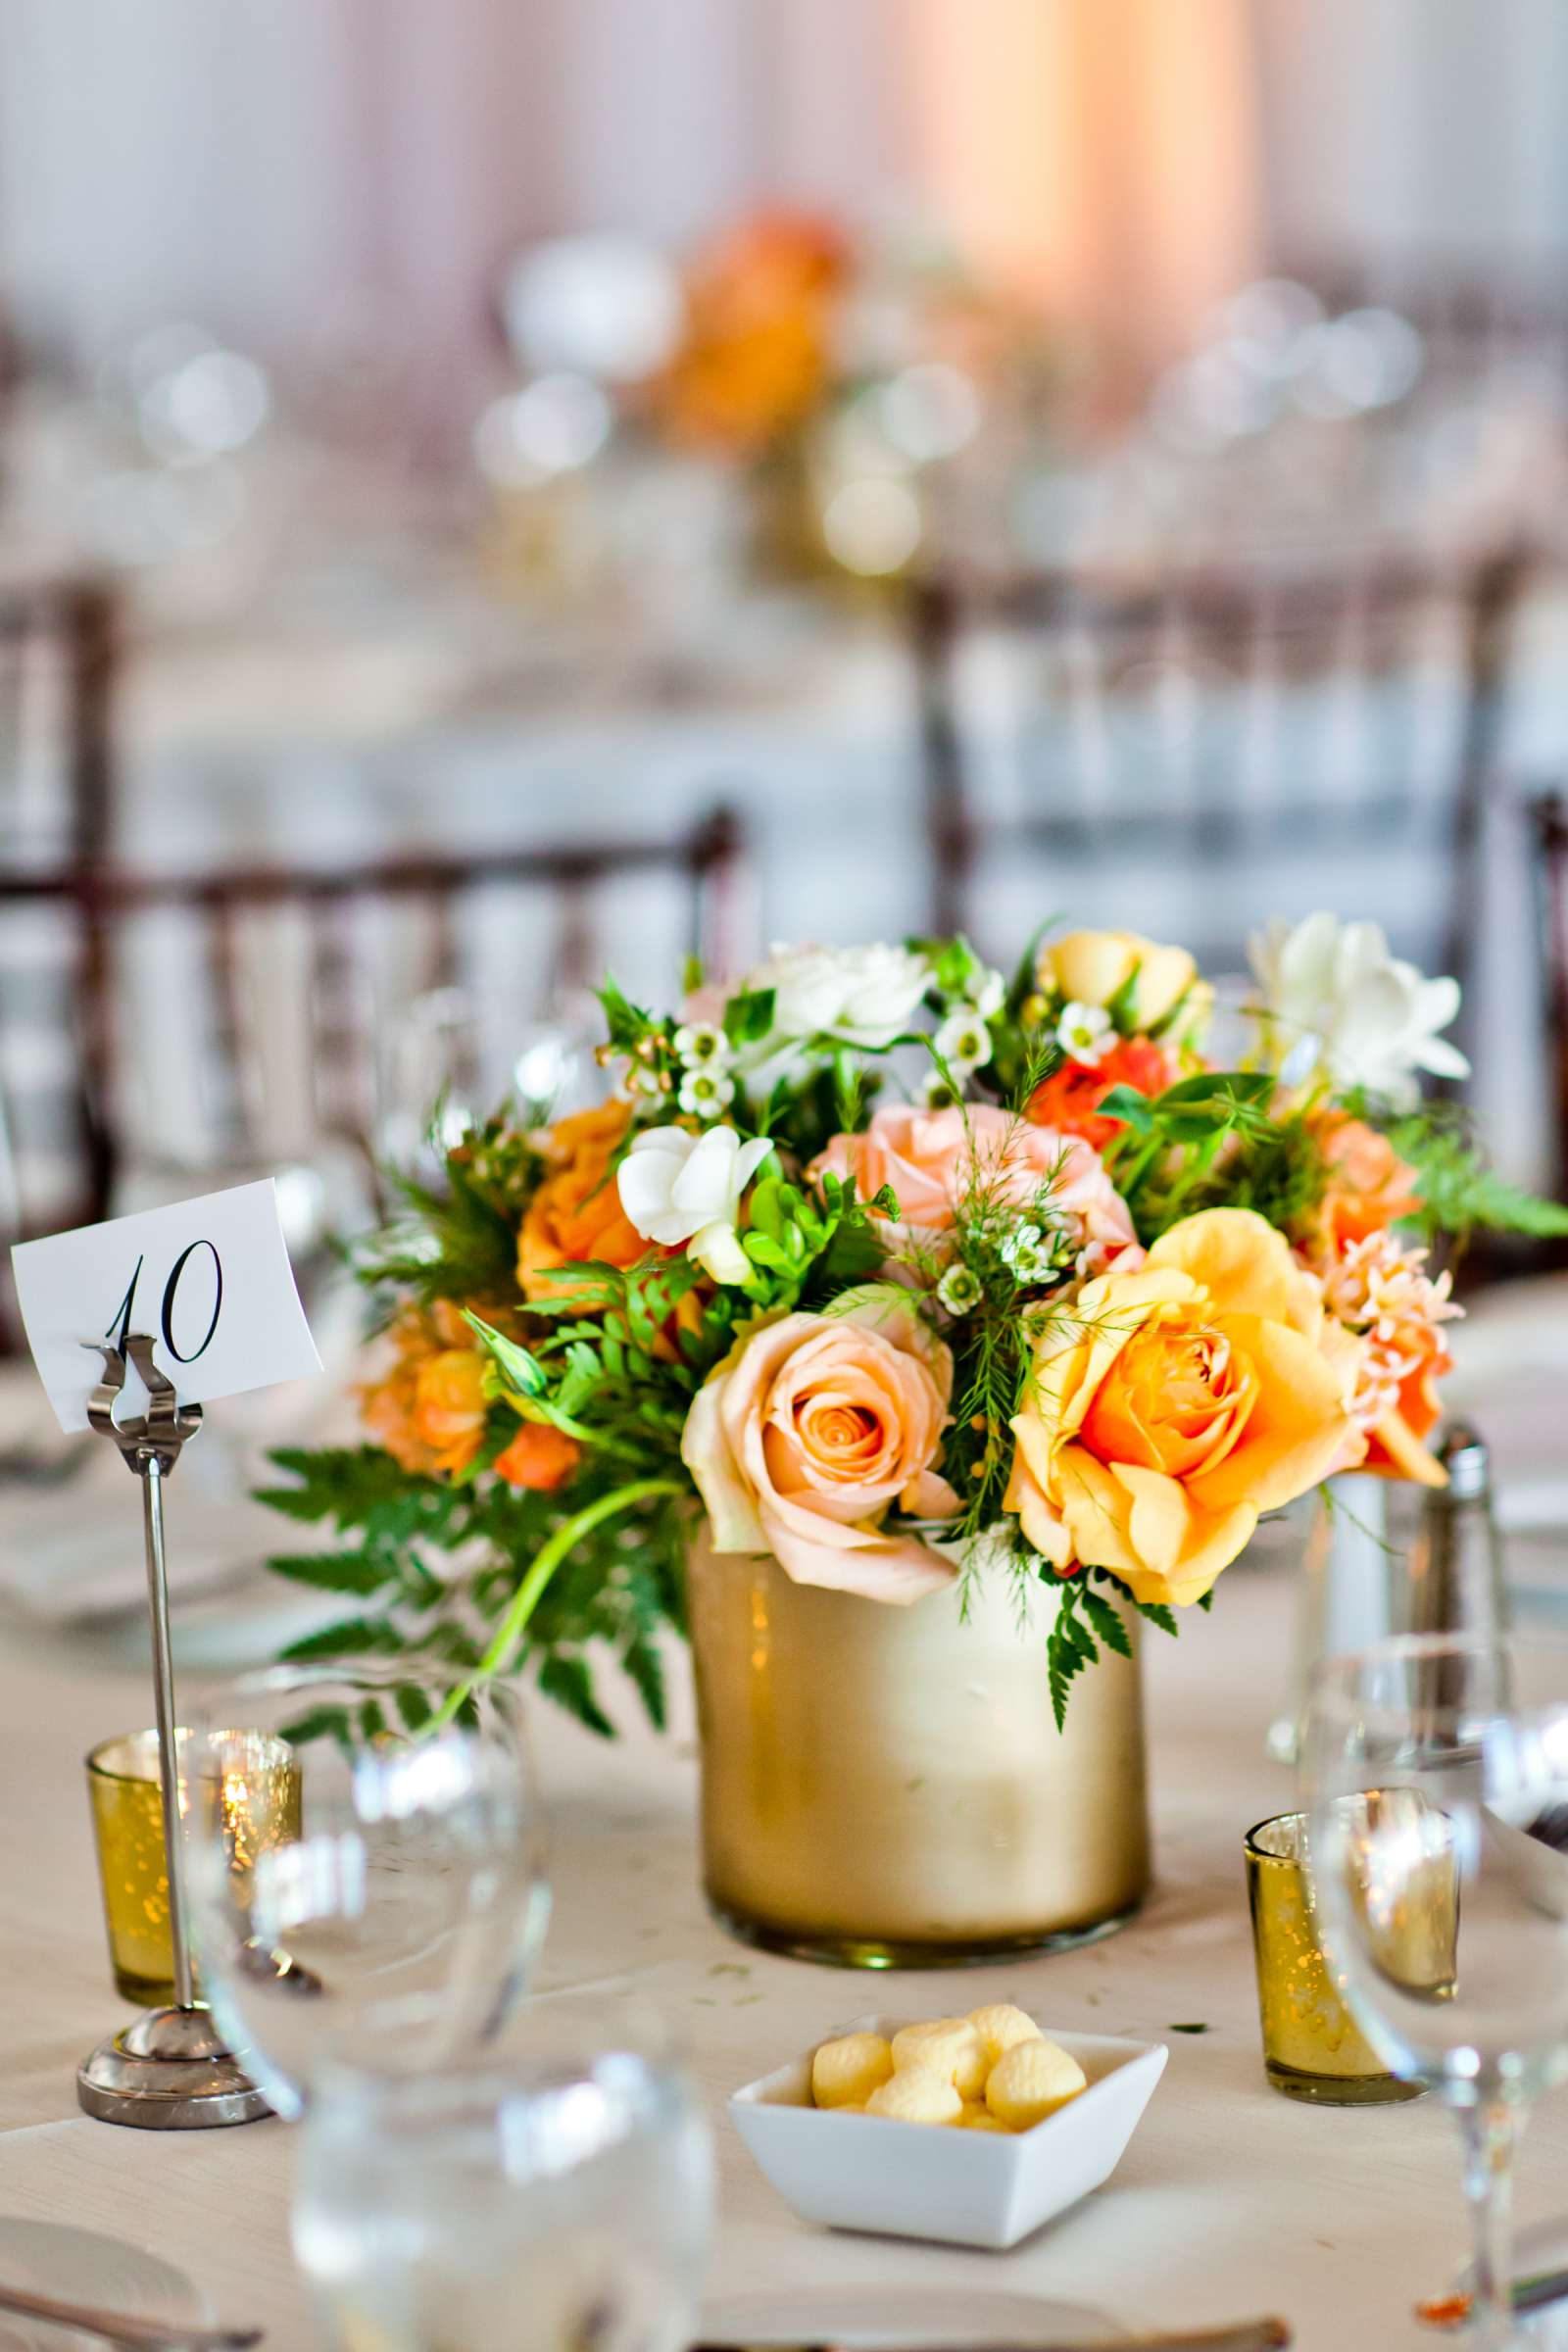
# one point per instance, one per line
(576, 1214)
(1369, 1186)
(540, 1457)
(1177, 1404)
(807, 1434)
(1090, 968)
(932, 1158)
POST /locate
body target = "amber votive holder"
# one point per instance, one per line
(259, 1797)
(1312, 2047)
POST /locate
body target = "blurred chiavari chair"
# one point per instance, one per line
(229, 1020)
(1548, 819)
(1189, 753)
(58, 669)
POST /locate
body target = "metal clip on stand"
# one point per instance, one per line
(169, 2070)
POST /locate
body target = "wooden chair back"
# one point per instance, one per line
(1216, 725)
(225, 1017)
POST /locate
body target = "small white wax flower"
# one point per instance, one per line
(964, 1041)
(1084, 1032)
(1338, 1001)
(699, 1045)
(987, 992)
(680, 1188)
(705, 1093)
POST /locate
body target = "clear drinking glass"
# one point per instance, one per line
(526, 2204)
(396, 1930)
(1436, 1770)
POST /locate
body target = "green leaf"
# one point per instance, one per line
(646, 1668)
(1157, 1614)
(317, 1723)
(348, 1638)
(748, 1016)
(342, 1483)
(625, 1022)
(1134, 1109)
(355, 1572)
(567, 1680)
(1106, 1622)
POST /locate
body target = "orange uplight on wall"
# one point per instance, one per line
(1101, 151)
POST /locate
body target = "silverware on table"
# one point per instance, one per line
(1244, 2336)
(124, 2329)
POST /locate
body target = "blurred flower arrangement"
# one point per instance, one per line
(901, 1273)
(837, 371)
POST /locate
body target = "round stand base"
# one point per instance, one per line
(168, 2072)
(849, 1951)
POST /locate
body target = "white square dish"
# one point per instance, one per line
(964, 2188)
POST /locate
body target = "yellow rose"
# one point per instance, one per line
(1174, 1405)
(1088, 967)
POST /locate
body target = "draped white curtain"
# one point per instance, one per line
(254, 161)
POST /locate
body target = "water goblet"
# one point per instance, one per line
(1436, 1770)
(541, 2201)
(395, 1928)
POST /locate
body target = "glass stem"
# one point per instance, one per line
(1489, 2137)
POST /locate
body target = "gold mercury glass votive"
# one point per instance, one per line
(259, 1791)
(1312, 2047)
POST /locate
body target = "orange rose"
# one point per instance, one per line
(576, 1214)
(1069, 1100)
(539, 1457)
(427, 1410)
(758, 302)
(1369, 1186)
(1173, 1406)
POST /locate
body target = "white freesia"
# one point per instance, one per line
(864, 996)
(1341, 1002)
(676, 1187)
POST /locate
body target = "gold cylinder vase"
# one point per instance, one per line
(886, 1786)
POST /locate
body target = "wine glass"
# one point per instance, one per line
(553, 2196)
(366, 1882)
(1435, 1769)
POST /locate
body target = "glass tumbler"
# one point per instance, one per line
(255, 1807)
(1312, 2047)
(518, 2205)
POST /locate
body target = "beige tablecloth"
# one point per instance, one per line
(1230, 2200)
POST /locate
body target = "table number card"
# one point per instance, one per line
(209, 1279)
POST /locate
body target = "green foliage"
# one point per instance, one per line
(1213, 1141)
(1459, 1191)
(1086, 1619)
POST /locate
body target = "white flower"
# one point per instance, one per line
(1085, 1031)
(935, 1092)
(987, 991)
(1032, 1255)
(964, 1041)
(705, 1092)
(960, 1290)
(1339, 1000)
(675, 1187)
(864, 996)
(700, 1046)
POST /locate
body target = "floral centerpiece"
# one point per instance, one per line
(907, 1280)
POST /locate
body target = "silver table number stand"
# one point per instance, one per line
(169, 2070)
